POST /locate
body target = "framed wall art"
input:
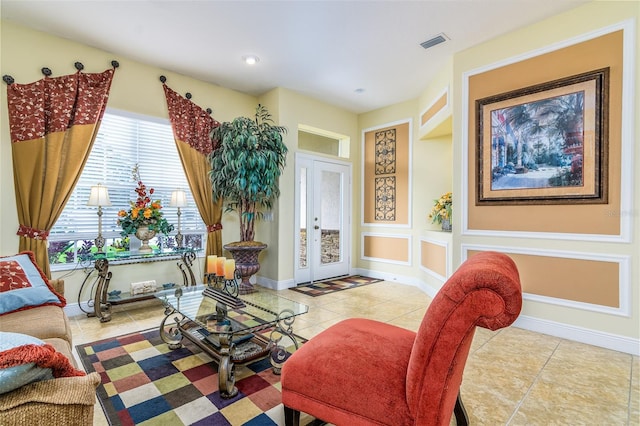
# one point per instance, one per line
(545, 144)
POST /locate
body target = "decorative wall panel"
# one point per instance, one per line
(438, 105)
(386, 198)
(588, 279)
(602, 219)
(434, 258)
(386, 248)
(386, 173)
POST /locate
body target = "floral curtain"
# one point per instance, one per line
(191, 127)
(53, 124)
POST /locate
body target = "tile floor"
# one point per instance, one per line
(512, 377)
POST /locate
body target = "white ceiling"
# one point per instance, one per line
(324, 49)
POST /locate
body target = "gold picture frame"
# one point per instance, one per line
(545, 144)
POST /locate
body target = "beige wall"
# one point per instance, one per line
(430, 175)
(437, 157)
(294, 109)
(582, 302)
(136, 88)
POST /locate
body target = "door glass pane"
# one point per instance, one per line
(303, 217)
(330, 209)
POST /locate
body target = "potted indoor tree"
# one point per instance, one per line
(246, 164)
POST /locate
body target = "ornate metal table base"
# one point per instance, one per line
(100, 297)
(283, 327)
(175, 326)
(99, 302)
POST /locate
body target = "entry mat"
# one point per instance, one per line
(335, 284)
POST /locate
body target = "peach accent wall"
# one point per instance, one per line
(389, 248)
(401, 175)
(434, 257)
(437, 106)
(601, 52)
(580, 280)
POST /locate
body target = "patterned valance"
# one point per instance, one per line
(56, 104)
(191, 124)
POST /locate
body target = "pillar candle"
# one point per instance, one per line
(220, 266)
(211, 264)
(229, 268)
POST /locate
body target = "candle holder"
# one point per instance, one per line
(230, 286)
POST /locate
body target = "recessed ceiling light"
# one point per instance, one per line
(250, 59)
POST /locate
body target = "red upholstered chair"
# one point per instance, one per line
(365, 372)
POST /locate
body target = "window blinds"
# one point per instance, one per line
(123, 140)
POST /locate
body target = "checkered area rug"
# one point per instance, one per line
(143, 381)
(329, 286)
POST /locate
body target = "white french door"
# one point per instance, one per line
(322, 220)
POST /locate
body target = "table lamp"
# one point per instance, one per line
(99, 197)
(178, 199)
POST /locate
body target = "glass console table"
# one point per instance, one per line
(101, 299)
(232, 328)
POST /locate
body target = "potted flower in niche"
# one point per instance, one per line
(441, 211)
(246, 164)
(144, 218)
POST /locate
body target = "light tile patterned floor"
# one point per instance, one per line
(512, 377)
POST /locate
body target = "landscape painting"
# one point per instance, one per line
(544, 144)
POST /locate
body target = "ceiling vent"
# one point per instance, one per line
(440, 38)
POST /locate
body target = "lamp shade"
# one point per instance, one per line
(99, 196)
(178, 198)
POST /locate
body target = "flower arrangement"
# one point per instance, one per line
(441, 209)
(143, 212)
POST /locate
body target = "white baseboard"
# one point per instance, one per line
(73, 309)
(579, 334)
(275, 285)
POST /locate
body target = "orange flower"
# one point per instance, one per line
(144, 211)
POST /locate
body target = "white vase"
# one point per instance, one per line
(144, 234)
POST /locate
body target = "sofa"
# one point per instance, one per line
(66, 395)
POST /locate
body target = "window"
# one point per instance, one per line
(123, 140)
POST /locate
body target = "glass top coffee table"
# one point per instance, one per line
(232, 329)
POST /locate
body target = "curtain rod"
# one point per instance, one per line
(47, 71)
(187, 95)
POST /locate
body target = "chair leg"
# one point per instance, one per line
(462, 419)
(291, 417)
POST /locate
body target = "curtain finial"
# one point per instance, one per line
(7, 79)
(46, 71)
(115, 64)
(163, 79)
(79, 66)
